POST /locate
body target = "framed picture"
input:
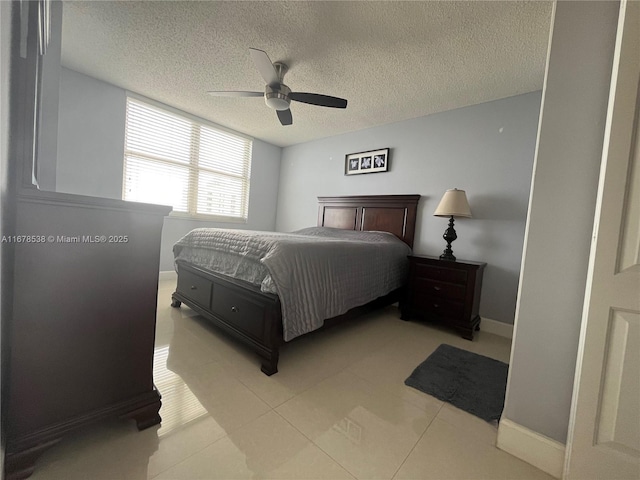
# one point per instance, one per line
(372, 161)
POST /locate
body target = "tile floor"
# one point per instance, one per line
(338, 408)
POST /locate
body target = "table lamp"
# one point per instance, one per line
(453, 204)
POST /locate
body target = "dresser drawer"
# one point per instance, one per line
(439, 289)
(194, 287)
(439, 307)
(423, 271)
(238, 310)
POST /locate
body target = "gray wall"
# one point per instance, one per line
(485, 149)
(91, 154)
(560, 220)
(91, 121)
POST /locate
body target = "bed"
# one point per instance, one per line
(255, 314)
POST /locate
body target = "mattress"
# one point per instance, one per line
(317, 272)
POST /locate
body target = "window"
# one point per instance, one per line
(170, 159)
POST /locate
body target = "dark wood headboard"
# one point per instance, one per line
(387, 213)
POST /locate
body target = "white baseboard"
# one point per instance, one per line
(540, 451)
(497, 328)
(168, 275)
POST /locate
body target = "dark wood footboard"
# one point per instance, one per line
(239, 308)
(242, 310)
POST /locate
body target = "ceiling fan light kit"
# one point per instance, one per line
(276, 94)
(277, 98)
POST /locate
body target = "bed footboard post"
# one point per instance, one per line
(272, 337)
(270, 362)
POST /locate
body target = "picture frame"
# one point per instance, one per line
(372, 161)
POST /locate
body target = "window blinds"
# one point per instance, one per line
(174, 160)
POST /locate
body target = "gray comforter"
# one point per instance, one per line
(317, 272)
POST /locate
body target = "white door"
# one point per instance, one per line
(604, 431)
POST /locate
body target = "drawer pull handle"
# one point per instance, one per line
(437, 289)
(193, 287)
(234, 309)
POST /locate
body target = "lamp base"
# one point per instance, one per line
(449, 236)
(447, 256)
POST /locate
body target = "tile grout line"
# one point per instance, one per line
(372, 386)
(389, 392)
(194, 336)
(226, 435)
(305, 435)
(315, 444)
(393, 477)
(188, 457)
(474, 436)
(345, 368)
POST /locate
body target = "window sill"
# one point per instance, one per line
(206, 218)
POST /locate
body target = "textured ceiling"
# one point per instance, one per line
(391, 60)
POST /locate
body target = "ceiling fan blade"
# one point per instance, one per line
(265, 66)
(317, 99)
(285, 117)
(236, 94)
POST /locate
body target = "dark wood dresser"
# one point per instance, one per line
(444, 291)
(82, 331)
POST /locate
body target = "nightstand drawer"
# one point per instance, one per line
(440, 273)
(440, 306)
(439, 289)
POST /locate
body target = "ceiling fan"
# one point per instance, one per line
(276, 94)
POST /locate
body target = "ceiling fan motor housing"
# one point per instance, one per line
(277, 97)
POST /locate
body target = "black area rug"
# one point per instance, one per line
(469, 381)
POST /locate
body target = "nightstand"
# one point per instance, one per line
(444, 291)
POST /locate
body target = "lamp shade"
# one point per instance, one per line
(454, 203)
